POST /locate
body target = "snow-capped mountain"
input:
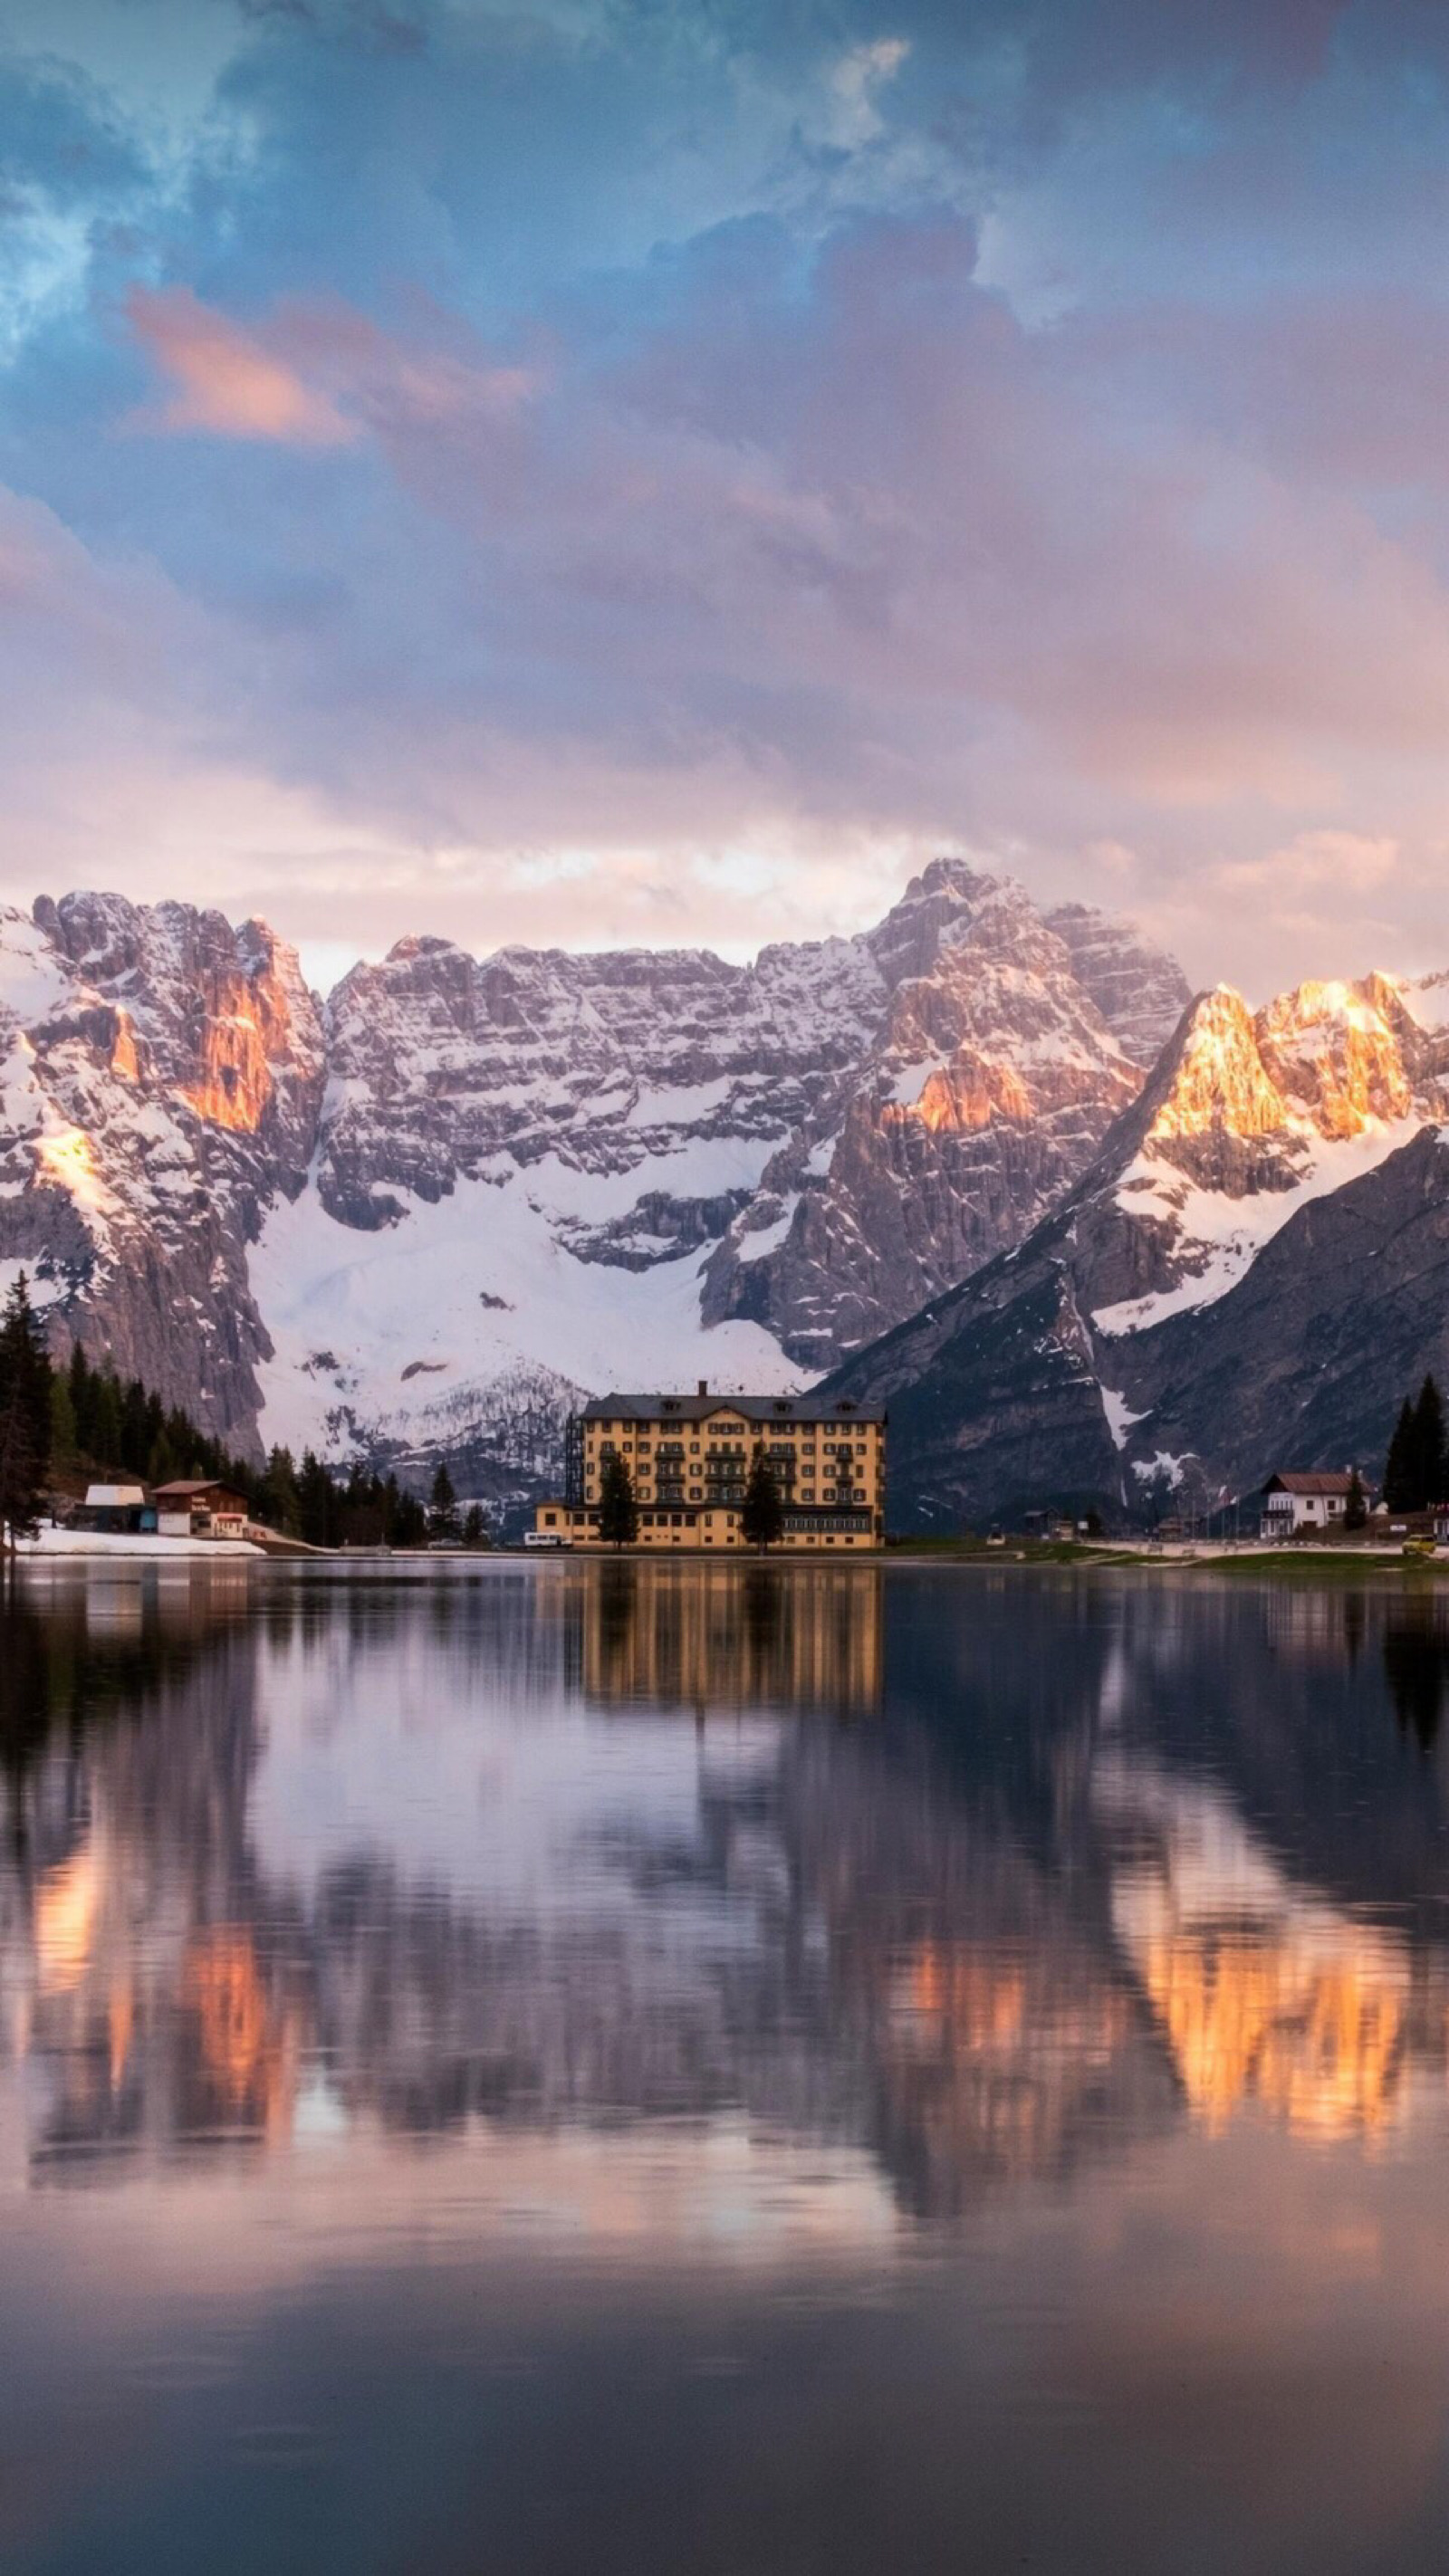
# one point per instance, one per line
(1005, 1042)
(424, 1217)
(1250, 1274)
(162, 1077)
(1083, 1238)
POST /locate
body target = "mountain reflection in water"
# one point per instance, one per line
(729, 2068)
(877, 1864)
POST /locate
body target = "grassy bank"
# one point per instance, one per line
(1315, 1565)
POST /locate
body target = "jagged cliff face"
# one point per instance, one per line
(1249, 1116)
(163, 1074)
(539, 1172)
(1004, 1052)
(424, 1220)
(1248, 1277)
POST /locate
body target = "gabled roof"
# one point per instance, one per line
(764, 1409)
(1319, 1482)
(182, 1487)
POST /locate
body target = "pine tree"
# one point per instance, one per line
(1429, 1475)
(280, 1504)
(82, 1396)
(443, 1511)
(475, 1528)
(618, 1512)
(317, 1502)
(24, 1416)
(63, 1441)
(104, 1442)
(161, 1463)
(1355, 1510)
(1399, 1467)
(135, 1431)
(762, 1516)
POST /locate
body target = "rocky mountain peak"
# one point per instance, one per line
(1214, 1080)
(423, 1219)
(1344, 1054)
(1249, 1274)
(1140, 991)
(941, 903)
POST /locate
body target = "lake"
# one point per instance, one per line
(736, 2070)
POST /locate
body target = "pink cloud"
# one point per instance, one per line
(317, 374)
(227, 383)
(819, 582)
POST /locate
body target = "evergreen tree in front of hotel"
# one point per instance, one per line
(1428, 1446)
(278, 1500)
(443, 1508)
(24, 1416)
(1355, 1509)
(475, 1528)
(1416, 1474)
(618, 1512)
(1399, 1465)
(762, 1514)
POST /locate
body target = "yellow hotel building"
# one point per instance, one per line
(689, 1457)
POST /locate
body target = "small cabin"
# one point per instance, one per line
(200, 1507)
(121, 1509)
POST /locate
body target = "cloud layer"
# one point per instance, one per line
(620, 473)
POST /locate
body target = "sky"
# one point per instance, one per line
(606, 471)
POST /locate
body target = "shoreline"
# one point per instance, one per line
(1246, 1561)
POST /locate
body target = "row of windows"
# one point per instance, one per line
(731, 1497)
(729, 1429)
(689, 1520)
(775, 1449)
(733, 1432)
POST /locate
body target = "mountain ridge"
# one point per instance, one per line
(1163, 1333)
(422, 1218)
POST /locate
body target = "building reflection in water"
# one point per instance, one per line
(421, 1861)
(723, 1637)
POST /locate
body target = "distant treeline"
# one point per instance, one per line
(65, 1423)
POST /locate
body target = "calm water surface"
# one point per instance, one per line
(746, 2072)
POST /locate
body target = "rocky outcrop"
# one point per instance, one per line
(1251, 1274)
(541, 1163)
(163, 1074)
(1059, 1216)
(1005, 1051)
(424, 1220)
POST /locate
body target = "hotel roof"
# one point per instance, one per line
(765, 1409)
